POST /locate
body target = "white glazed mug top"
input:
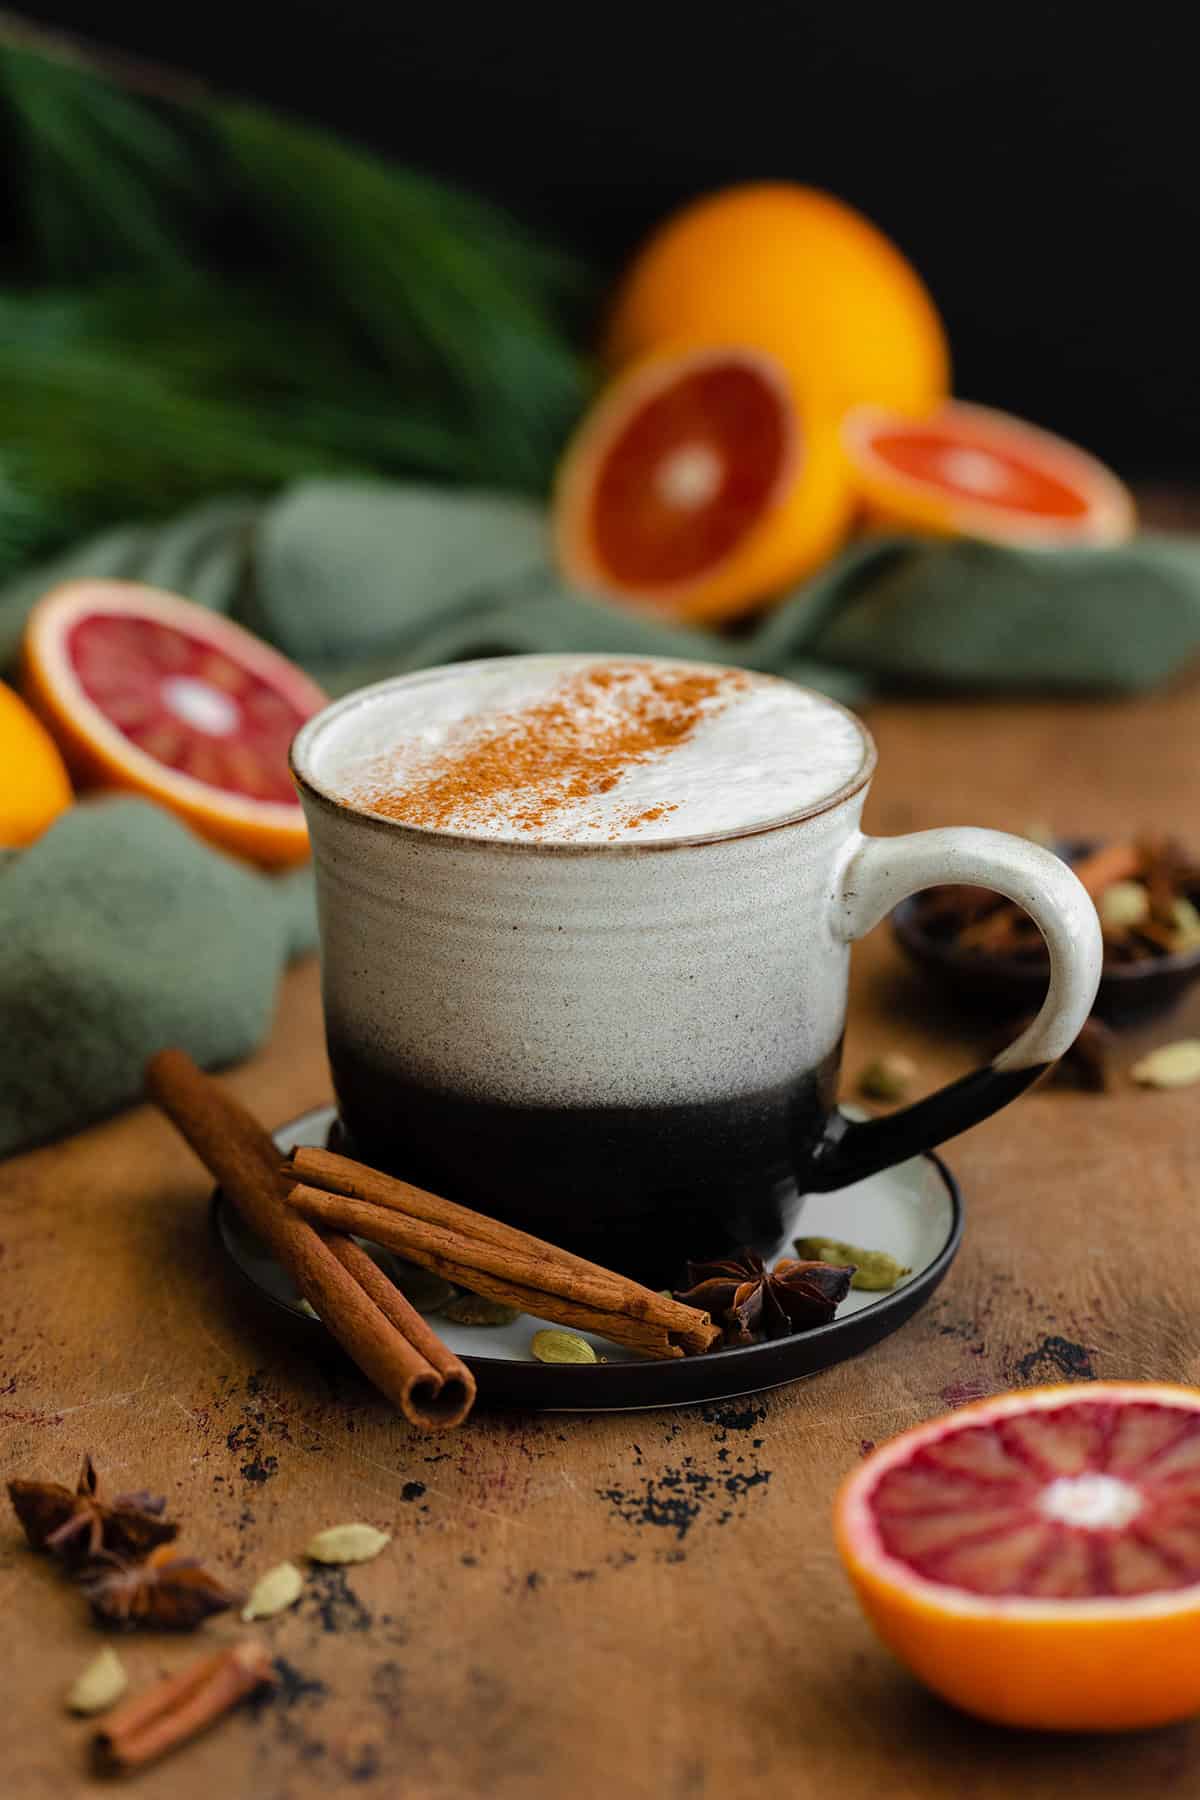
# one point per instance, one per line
(770, 753)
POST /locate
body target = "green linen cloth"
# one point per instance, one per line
(120, 932)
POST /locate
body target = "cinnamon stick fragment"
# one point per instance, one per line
(380, 1226)
(1112, 862)
(392, 1344)
(180, 1707)
(489, 1257)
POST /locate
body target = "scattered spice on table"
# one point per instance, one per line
(181, 1706)
(753, 1302)
(78, 1525)
(273, 1592)
(100, 1685)
(347, 1544)
(122, 1554)
(165, 1591)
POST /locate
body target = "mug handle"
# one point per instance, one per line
(876, 874)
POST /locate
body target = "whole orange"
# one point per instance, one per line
(795, 272)
(34, 786)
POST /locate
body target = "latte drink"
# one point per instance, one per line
(585, 942)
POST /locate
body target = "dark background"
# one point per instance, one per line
(1038, 165)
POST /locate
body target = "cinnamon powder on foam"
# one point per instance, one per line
(521, 769)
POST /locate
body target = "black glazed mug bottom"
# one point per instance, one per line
(639, 1189)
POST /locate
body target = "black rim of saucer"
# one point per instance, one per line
(628, 1386)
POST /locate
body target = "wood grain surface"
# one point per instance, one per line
(646, 1604)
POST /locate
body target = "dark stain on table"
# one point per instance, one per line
(332, 1602)
(729, 1416)
(294, 1699)
(962, 1393)
(387, 1686)
(260, 1468)
(1056, 1359)
(263, 1421)
(682, 1495)
(292, 1685)
(708, 1487)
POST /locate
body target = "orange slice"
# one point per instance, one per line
(34, 785)
(968, 471)
(697, 487)
(143, 690)
(797, 273)
(1036, 1558)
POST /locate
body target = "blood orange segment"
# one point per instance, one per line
(698, 486)
(146, 691)
(1036, 1558)
(970, 471)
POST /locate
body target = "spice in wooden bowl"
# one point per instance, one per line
(1147, 893)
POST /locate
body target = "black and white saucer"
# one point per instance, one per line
(913, 1211)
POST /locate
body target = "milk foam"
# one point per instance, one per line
(762, 749)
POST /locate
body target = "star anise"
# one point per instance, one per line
(171, 1592)
(81, 1525)
(752, 1302)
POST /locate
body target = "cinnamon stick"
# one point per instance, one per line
(424, 1226)
(181, 1706)
(385, 1228)
(409, 1236)
(385, 1336)
(1112, 862)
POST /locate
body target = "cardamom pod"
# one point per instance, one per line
(477, 1309)
(100, 1686)
(888, 1077)
(1171, 1066)
(1186, 922)
(874, 1270)
(1124, 903)
(562, 1347)
(347, 1544)
(427, 1292)
(273, 1592)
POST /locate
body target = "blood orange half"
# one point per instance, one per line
(1036, 1558)
(698, 486)
(971, 472)
(146, 691)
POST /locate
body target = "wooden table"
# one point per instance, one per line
(648, 1604)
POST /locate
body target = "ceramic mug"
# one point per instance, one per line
(632, 1048)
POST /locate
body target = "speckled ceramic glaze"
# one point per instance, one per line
(613, 1043)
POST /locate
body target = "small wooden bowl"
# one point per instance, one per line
(1008, 986)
